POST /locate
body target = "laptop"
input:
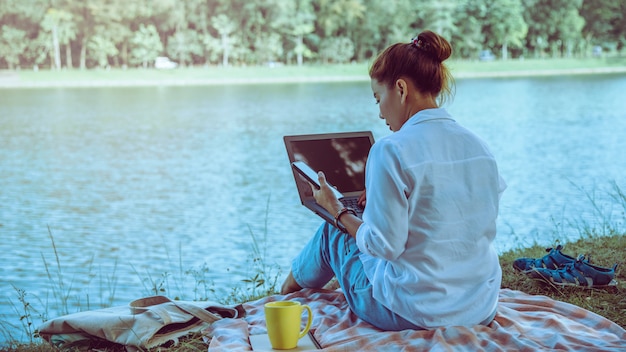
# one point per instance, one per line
(342, 158)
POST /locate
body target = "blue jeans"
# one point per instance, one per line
(333, 253)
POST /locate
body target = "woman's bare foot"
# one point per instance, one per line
(290, 285)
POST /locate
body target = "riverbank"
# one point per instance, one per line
(211, 75)
(602, 244)
(605, 251)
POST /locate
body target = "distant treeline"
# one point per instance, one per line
(132, 33)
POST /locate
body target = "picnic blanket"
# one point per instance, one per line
(523, 323)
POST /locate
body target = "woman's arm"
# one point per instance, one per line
(386, 225)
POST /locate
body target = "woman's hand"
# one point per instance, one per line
(361, 201)
(325, 196)
(327, 199)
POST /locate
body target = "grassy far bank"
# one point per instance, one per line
(279, 74)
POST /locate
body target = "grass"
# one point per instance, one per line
(537, 66)
(604, 243)
(306, 73)
(604, 251)
(262, 281)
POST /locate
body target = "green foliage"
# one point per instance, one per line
(469, 37)
(225, 27)
(146, 45)
(298, 23)
(212, 48)
(12, 45)
(182, 45)
(254, 32)
(337, 50)
(603, 19)
(507, 25)
(101, 49)
(27, 313)
(62, 30)
(557, 30)
(268, 47)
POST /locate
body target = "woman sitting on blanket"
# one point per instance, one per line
(422, 255)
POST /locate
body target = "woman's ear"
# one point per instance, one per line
(402, 89)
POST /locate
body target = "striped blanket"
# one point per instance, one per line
(523, 323)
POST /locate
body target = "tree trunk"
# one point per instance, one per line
(568, 48)
(226, 50)
(300, 46)
(56, 47)
(505, 51)
(124, 54)
(83, 54)
(68, 55)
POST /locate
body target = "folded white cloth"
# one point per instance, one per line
(145, 323)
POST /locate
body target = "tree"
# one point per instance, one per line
(551, 23)
(619, 26)
(337, 49)
(436, 15)
(337, 24)
(600, 19)
(38, 50)
(59, 24)
(384, 23)
(212, 48)
(99, 18)
(336, 17)
(198, 17)
(505, 24)
(225, 27)
(298, 22)
(250, 32)
(24, 15)
(183, 44)
(146, 45)
(263, 30)
(468, 38)
(570, 29)
(135, 14)
(102, 48)
(21, 19)
(12, 45)
(269, 47)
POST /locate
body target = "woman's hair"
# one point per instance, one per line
(421, 61)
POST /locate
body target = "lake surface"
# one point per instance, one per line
(164, 187)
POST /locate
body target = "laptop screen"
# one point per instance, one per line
(341, 157)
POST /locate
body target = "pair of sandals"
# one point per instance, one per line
(563, 270)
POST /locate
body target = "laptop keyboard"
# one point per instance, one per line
(352, 203)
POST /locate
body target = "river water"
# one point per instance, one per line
(110, 194)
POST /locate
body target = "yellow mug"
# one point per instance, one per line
(283, 321)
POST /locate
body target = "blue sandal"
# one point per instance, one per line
(553, 260)
(578, 273)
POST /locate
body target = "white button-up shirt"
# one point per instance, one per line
(432, 190)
